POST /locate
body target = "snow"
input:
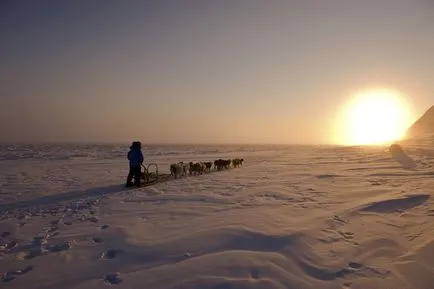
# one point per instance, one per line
(290, 217)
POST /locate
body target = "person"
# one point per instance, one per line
(135, 157)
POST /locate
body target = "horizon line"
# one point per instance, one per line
(165, 144)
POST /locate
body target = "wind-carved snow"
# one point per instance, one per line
(290, 217)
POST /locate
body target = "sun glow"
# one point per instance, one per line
(376, 116)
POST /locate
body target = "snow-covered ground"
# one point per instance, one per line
(290, 217)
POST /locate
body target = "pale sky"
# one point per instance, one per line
(203, 71)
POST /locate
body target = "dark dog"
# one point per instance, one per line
(208, 166)
(222, 164)
(196, 168)
(237, 162)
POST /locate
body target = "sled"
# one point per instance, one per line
(148, 176)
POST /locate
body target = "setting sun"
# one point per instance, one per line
(374, 116)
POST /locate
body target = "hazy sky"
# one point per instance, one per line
(223, 71)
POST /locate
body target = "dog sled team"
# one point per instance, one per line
(182, 169)
(135, 158)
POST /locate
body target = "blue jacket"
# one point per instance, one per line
(135, 156)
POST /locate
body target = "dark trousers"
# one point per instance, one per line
(135, 172)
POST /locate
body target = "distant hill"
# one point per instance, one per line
(424, 126)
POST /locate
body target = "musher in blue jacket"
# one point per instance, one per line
(135, 157)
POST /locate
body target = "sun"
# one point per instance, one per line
(375, 116)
